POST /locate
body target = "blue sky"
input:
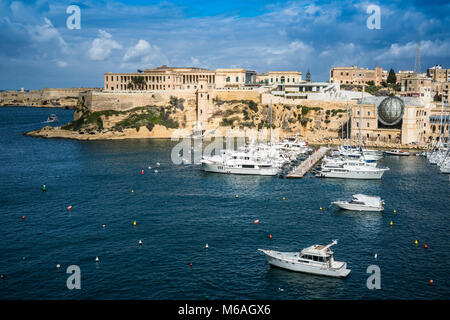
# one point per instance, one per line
(37, 50)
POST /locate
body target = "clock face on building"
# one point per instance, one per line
(390, 111)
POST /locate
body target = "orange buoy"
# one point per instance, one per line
(142, 171)
(431, 281)
(425, 246)
(256, 221)
(23, 217)
(270, 236)
(69, 208)
(190, 264)
(284, 198)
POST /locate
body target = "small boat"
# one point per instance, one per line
(52, 118)
(361, 202)
(316, 259)
(397, 152)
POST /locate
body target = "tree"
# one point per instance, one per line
(308, 76)
(139, 82)
(392, 78)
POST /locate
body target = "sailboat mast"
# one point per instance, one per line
(270, 122)
(360, 119)
(347, 121)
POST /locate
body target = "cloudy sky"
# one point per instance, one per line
(38, 50)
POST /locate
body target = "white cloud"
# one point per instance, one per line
(143, 55)
(102, 46)
(436, 48)
(46, 33)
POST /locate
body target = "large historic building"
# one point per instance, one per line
(169, 78)
(405, 120)
(359, 76)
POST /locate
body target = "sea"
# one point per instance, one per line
(176, 211)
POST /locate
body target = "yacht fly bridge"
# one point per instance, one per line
(316, 259)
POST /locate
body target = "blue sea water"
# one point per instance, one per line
(180, 209)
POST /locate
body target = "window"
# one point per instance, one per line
(228, 79)
(237, 79)
(368, 113)
(368, 125)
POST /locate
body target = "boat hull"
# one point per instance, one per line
(363, 175)
(357, 207)
(220, 168)
(340, 272)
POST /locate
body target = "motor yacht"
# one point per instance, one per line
(316, 259)
(361, 202)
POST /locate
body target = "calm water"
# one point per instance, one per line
(180, 209)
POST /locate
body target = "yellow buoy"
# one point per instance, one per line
(384, 203)
(391, 223)
(132, 190)
(320, 208)
(134, 223)
(416, 242)
(395, 211)
(284, 198)
(237, 196)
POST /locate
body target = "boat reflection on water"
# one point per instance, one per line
(311, 286)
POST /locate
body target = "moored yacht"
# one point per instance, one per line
(397, 152)
(361, 202)
(233, 162)
(351, 170)
(316, 259)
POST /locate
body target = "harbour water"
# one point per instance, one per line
(180, 209)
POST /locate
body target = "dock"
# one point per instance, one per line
(303, 168)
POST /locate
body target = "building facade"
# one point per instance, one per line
(357, 76)
(168, 78)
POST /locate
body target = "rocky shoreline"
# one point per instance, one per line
(161, 132)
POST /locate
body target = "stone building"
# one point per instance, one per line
(170, 79)
(357, 76)
(405, 120)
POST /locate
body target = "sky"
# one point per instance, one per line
(38, 50)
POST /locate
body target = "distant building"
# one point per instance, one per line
(170, 78)
(438, 74)
(405, 120)
(279, 77)
(357, 76)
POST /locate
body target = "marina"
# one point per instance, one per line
(134, 222)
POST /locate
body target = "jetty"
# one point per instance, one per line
(306, 165)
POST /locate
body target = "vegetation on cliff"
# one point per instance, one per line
(135, 118)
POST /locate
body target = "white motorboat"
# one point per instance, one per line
(352, 170)
(233, 162)
(316, 259)
(361, 202)
(397, 152)
(52, 118)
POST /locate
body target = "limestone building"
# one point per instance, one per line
(405, 120)
(357, 76)
(169, 79)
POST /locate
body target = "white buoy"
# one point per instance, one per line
(103, 226)
(280, 289)
(156, 171)
(158, 164)
(375, 256)
(97, 259)
(140, 242)
(206, 247)
(58, 266)
(149, 167)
